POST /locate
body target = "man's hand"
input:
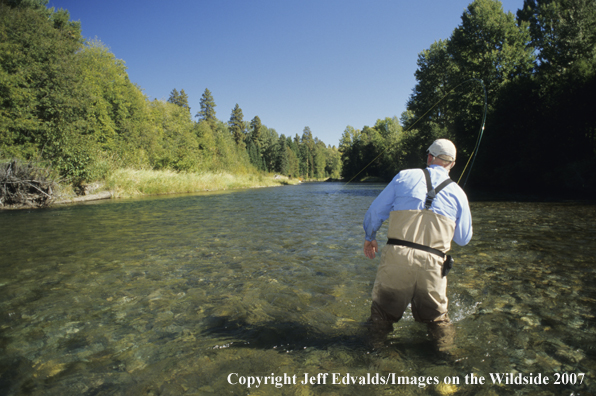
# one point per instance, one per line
(370, 248)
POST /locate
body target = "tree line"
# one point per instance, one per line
(69, 102)
(302, 156)
(539, 70)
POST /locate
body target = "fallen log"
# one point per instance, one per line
(25, 185)
(84, 198)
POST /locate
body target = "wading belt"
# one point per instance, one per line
(430, 195)
(399, 242)
(447, 264)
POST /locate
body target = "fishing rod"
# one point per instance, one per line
(474, 152)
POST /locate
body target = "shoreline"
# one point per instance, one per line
(130, 183)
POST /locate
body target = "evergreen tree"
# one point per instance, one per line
(255, 125)
(251, 149)
(307, 138)
(237, 125)
(282, 163)
(179, 98)
(174, 95)
(293, 162)
(319, 159)
(207, 111)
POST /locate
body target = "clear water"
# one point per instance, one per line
(171, 295)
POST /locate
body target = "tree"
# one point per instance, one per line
(179, 146)
(436, 75)
(179, 98)
(333, 165)
(282, 161)
(70, 102)
(307, 148)
(207, 111)
(255, 125)
(488, 45)
(237, 125)
(42, 92)
(293, 162)
(491, 46)
(319, 159)
(558, 98)
(349, 156)
(563, 33)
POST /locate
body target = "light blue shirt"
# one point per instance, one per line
(407, 191)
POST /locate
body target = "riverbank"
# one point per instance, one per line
(128, 183)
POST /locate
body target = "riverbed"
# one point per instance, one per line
(201, 294)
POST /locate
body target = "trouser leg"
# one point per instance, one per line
(443, 334)
(430, 306)
(380, 323)
(392, 292)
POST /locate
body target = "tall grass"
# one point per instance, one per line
(132, 182)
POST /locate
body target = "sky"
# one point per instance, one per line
(325, 64)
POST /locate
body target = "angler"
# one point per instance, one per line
(422, 222)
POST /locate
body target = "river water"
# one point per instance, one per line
(201, 294)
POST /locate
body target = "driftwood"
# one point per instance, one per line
(85, 198)
(23, 184)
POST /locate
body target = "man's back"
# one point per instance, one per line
(407, 191)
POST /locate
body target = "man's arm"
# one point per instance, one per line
(463, 225)
(376, 214)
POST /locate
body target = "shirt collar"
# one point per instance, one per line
(439, 167)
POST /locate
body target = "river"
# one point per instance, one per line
(205, 293)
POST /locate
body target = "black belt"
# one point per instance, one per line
(413, 245)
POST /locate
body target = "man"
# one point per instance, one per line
(423, 219)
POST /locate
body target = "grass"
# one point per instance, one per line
(132, 182)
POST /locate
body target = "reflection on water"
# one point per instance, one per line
(168, 296)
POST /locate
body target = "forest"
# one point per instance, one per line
(539, 70)
(68, 103)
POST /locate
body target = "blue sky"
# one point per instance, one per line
(325, 64)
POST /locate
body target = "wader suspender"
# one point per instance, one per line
(430, 195)
(432, 192)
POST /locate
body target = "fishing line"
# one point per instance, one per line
(474, 152)
(471, 159)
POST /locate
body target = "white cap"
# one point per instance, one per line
(444, 149)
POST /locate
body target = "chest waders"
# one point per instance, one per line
(412, 271)
(430, 196)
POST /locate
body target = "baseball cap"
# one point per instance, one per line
(444, 149)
